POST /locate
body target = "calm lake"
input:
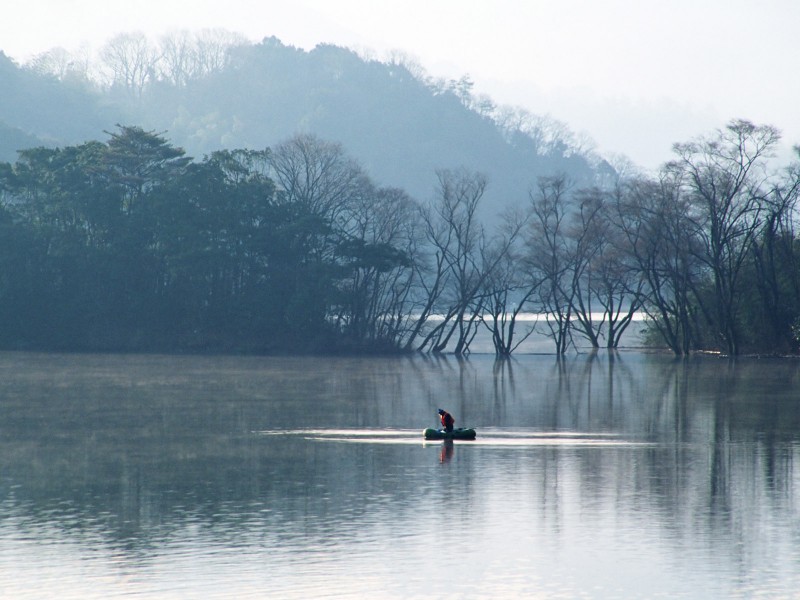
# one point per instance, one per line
(601, 476)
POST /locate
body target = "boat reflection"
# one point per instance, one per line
(446, 452)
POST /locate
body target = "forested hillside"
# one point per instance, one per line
(217, 92)
(269, 199)
(39, 108)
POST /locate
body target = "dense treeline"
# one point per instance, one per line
(131, 244)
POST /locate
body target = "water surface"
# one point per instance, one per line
(608, 476)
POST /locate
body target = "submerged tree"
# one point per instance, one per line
(551, 257)
(608, 277)
(458, 243)
(653, 218)
(509, 290)
(366, 251)
(131, 244)
(376, 254)
(773, 310)
(725, 178)
(586, 237)
(463, 256)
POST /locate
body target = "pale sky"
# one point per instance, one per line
(635, 75)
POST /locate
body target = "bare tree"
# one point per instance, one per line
(62, 64)
(464, 258)
(409, 63)
(653, 219)
(454, 233)
(607, 288)
(508, 291)
(368, 233)
(185, 56)
(131, 60)
(775, 261)
(586, 236)
(550, 257)
(724, 177)
(213, 49)
(549, 136)
(179, 58)
(317, 175)
(616, 281)
(379, 250)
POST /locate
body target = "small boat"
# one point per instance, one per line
(461, 433)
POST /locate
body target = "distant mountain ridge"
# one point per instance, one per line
(399, 126)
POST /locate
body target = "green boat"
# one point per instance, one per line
(461, 433)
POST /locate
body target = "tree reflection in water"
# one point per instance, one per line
(128, 455)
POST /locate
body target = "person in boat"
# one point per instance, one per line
(447, 420)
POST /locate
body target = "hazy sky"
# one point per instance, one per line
(635, 75)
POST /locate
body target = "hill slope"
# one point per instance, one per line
(400, 127)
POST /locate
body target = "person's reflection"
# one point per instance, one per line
(447, 451)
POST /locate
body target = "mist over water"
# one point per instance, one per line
(598, 476)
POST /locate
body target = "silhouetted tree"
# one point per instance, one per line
(509, 289)
(465, 257)
(772, 312)
(724, 177)
(551, 257)
(653, 218)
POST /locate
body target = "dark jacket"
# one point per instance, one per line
(447, 420)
